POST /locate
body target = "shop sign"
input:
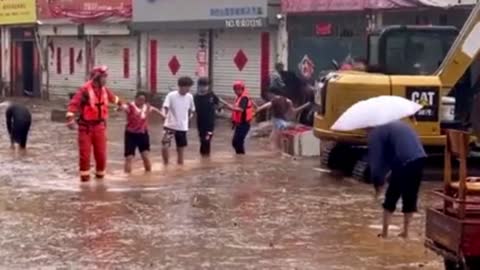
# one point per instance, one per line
(323, 29)
(237, 12)
(17, 12)
(244, 23)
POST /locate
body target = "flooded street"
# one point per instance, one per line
(260, 211)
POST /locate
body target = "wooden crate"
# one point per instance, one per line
(458, 236)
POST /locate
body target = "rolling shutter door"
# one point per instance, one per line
(67, 65)
(120, 55)
(173, 55)
(246, 55)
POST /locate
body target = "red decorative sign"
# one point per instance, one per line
(202, 56)
(240, 60)
(323, 29)
(306, 67)
(202, 63)
(174, 65)
(84, 10)
(295, 6)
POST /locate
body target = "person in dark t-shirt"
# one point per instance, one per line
(206, 103)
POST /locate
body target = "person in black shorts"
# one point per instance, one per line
(178, 108)
(395, 147)
(206, 104)
(136, 131)
(18, 120)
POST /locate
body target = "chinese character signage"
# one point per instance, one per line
(17, 12)
(202, 13)
(237, 12)
(85, 10)
(300, 6)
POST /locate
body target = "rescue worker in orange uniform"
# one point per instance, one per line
(90, 104)
(242, 115)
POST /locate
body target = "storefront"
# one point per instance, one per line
(233, 41)
(316, 40)
(324, 30)
(19, 58)
(77, 36)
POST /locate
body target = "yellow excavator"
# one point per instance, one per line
(422, 63)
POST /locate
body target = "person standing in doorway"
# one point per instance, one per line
(396, 148)
(178, 108)
(91, 102)
(242, 115)
(206, 104)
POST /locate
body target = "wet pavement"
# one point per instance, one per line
(261, 211)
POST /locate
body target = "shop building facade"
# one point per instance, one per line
(323, 30)
(226, 41)
(20, 62)
(78, 35)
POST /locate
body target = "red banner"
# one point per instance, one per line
(295, 6)
(84, 10)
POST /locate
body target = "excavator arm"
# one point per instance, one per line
(463, 51)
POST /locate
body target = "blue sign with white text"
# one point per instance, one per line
(236, 11)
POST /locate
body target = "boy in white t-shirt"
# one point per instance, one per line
(179, 108)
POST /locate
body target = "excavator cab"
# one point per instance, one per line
(403, 61)
(409, 50)
(419, 50)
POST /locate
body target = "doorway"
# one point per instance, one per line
(25, 64)
(28, 48)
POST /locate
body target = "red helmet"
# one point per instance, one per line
(98, 71)
(239, 84)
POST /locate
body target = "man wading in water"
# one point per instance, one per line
(396, 147)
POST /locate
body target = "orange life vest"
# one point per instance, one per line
(97, 107)
(237, 115)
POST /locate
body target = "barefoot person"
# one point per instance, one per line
(178, 108)
(90, 103)
(281, 108)
(396, 148)
(136, 131)
(18, 120)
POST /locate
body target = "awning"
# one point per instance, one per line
(298, 6)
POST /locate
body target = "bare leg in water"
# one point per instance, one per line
(180, 155)
(128, 164)
(387, 217)
(165, 155)
(407, 218)
(146, 161)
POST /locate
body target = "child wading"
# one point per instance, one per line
(242, 115)
(282, 108)
(206, 103)
(136, 131)
(179, 108)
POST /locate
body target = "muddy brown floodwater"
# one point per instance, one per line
(261, 211)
